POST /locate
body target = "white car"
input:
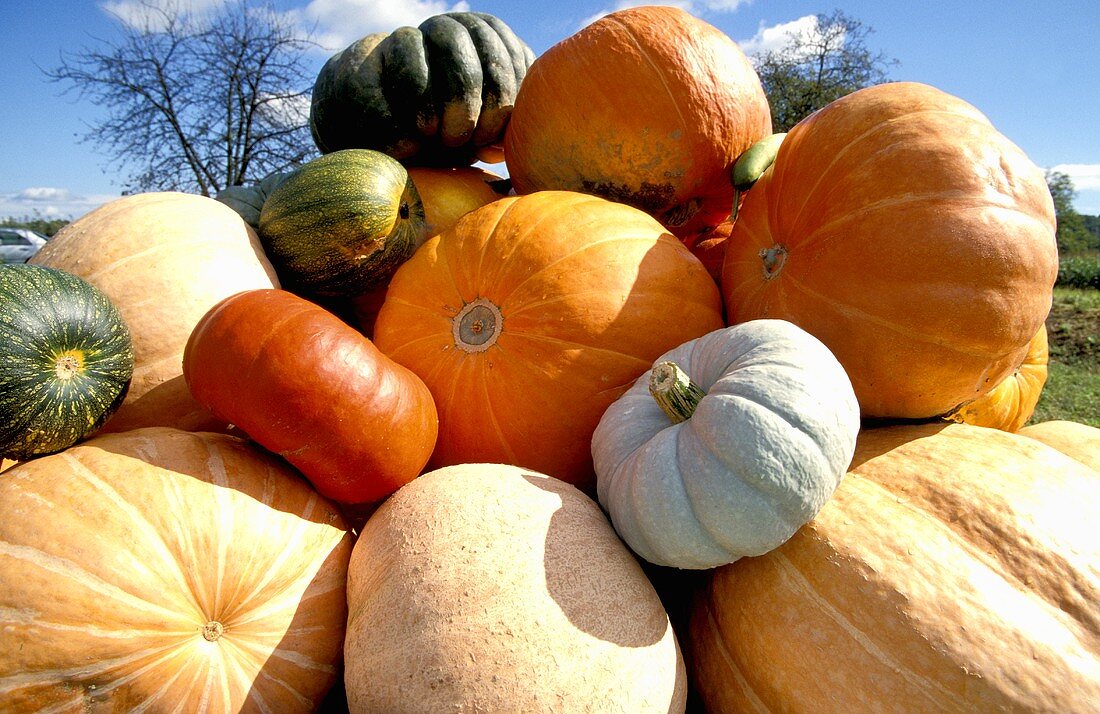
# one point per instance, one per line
(17, 245)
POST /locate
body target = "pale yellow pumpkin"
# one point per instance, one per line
(955, 569)
(163, 259)
(164, 570)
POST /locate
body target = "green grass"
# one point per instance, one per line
(1072, 390)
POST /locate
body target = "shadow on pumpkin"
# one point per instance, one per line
(593, 578)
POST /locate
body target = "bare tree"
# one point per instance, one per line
(817, 65)
(197, 101)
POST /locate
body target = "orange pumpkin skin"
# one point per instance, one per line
(571, 298)
(449, 193)
(1011, 403)
(903, 231)
(163, 570)
(649, 106)
(710, 249)
(954, 569)
(306, 385)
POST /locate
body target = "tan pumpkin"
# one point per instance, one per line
(164, 570)
(1011, 403)
(649, 106)
(490, 588)
(163, 259)
(956, 568)
(1080, 441)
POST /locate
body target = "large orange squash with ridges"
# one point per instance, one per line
(164, 570)
(531, 315)
(650, 106)
(1073, 438)
(900, 228)
(955, 569)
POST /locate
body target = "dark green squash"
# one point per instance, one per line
(66, 360)
(341, 224)
(437, 94)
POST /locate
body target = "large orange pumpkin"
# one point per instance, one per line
(531, 315)
(164, 570)
(903, 231)
(1073, 438)
(647, 105)
(955, 569)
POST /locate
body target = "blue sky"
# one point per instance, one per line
(1031, 67)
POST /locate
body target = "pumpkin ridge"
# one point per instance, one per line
(123, 506)
(938, 340)
(629, 32)
(515, 334)
(732, 667)
(880, 125)
(953, 527)
(789, 572)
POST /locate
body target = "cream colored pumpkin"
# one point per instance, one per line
(491, 588)
(164, 570)
(955, 569)
(163, 259)
(1072, 438)
(769, 435)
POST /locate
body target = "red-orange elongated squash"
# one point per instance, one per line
(1011, 403)
(531, 315)
(650, 106)
(903, 231)
(164, 570)
(306, 385)
(955, 569)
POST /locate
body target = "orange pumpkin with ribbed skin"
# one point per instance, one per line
(1080, 441)
(164, 570)
(306, 385)
(649, 106)
(531, 315)
(954, 569)
(903, 231)
(1011, 403)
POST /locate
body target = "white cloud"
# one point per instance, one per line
(146, 14)
(695, 8)
(775, 37)
(49, 202)
(338, 23)
(1085, 177)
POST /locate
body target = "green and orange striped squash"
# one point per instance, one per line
(339, 225)
(66, 360)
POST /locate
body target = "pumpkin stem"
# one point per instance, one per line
(674, 391)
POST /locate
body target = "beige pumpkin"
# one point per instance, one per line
(165, 570)
(955, 569)
(1072, 438)
(163, 259)
(490, 588)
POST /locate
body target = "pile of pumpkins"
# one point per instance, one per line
(630, 431)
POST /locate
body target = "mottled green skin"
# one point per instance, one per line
(341, 224)
(430, 95)
(46, 313)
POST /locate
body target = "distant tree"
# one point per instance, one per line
(197, 101)
(818, 65)
(45, 226)
(1072, 233)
